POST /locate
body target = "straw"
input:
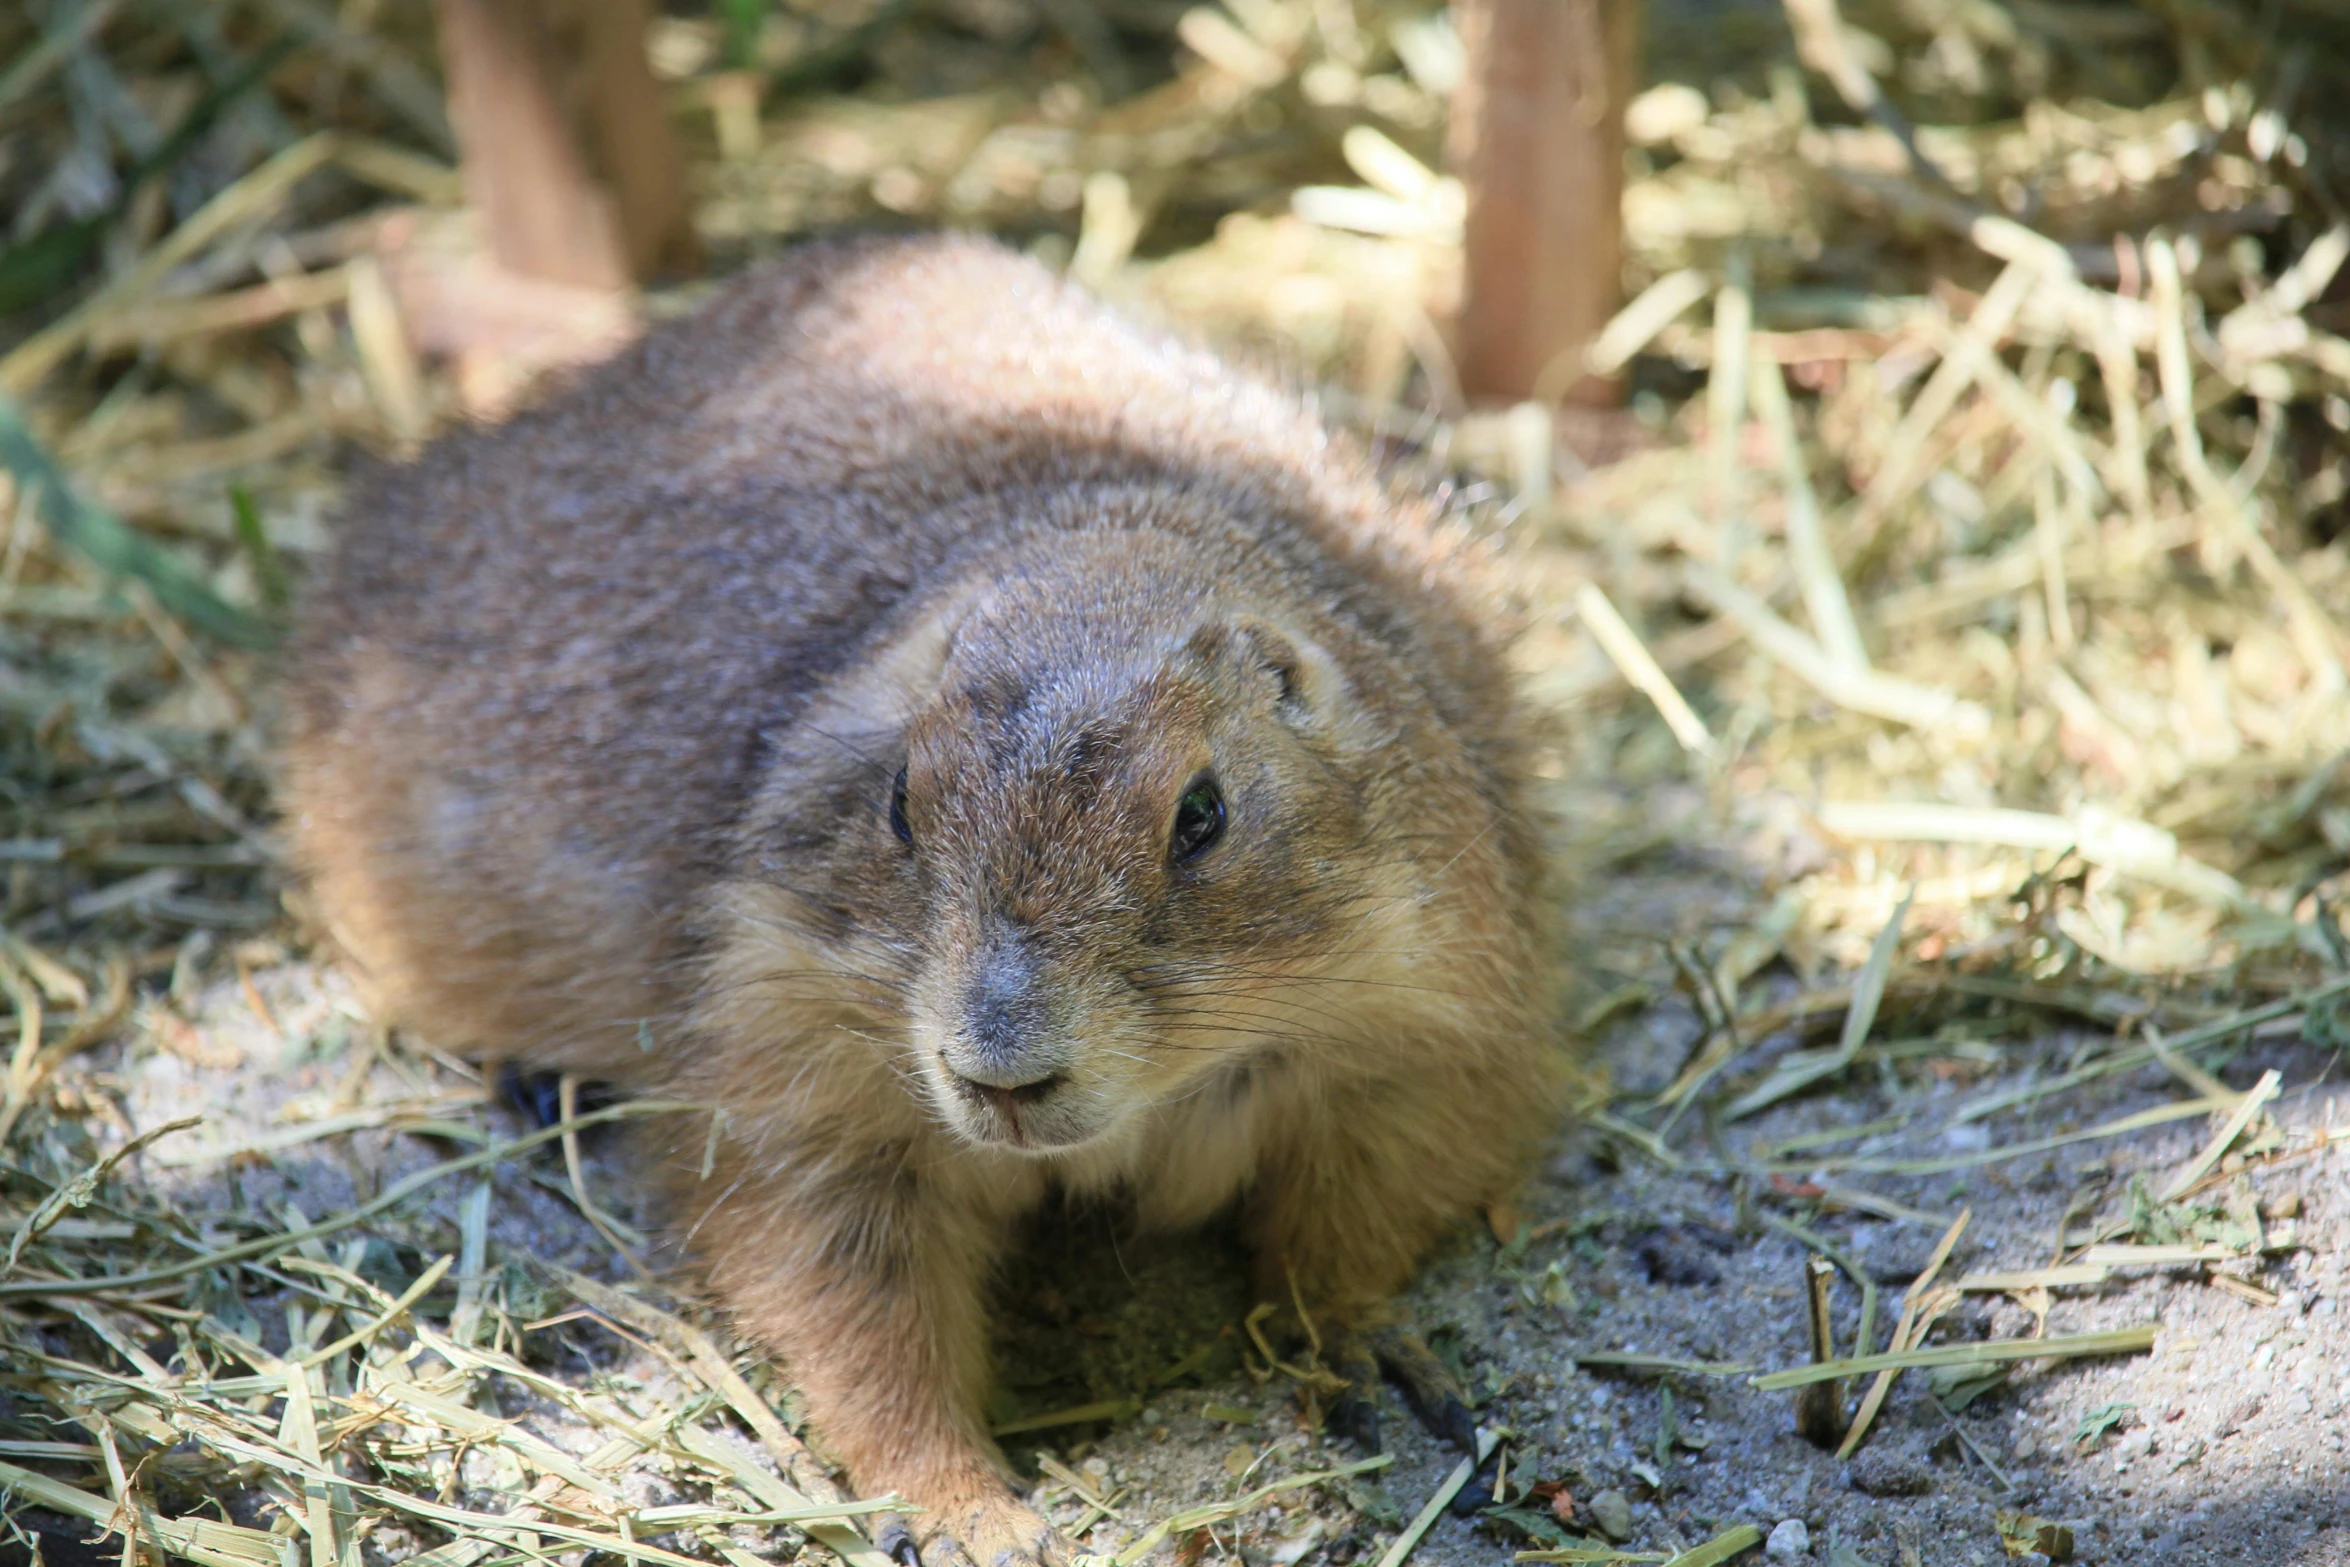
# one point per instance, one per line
(2121, 1341)
(1908, 1329)
(1631, 656)
(1985, 603)
(1863, 690)
(1425, 1519)
(1824, 597)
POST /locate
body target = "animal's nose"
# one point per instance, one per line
(1004, 1025)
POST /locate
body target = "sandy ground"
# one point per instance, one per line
(2230, 1448)
(2233, 1451)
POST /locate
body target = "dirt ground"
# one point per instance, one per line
(2223, 1445)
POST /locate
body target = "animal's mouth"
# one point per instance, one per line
(1013, 1113)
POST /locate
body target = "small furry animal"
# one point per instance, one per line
(986, 749)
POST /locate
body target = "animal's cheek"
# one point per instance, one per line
(1113, 1037)
(930, 1001)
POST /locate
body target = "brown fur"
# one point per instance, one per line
(596, 725)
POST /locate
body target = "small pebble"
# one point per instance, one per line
(1612, 1511)
(1790, 1542)
(1890, 1471)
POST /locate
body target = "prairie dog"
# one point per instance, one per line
(986, 747)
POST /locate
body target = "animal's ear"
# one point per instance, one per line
(869, 704)
(1304, 683)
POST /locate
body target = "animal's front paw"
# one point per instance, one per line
(990, 1532)
(1428, 1385)
(1352, 1414)
(1436, 1397)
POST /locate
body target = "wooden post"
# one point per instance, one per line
(567, 154)
(630, 140)
(1537, 136)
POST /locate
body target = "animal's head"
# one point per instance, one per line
(1127, 830)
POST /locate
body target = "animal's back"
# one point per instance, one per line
(530, 692)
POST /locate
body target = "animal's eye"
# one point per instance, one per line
(897, 810)
(1199, 820)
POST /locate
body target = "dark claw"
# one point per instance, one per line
(535, 1096)
(897, 1541)
(1451, 1420)
(1428, 1386)
(1352, 1414)
(1477, 1495)
(538, 1096)
(1435, 1396)
(1355, 1418)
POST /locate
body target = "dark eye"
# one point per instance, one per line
(897, 810)
(1199, 820)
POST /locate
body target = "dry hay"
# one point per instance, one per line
(1976, 561)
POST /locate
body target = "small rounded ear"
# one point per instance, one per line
(870, 704)
(1269, 652)
(1307, 686)
(852, 734)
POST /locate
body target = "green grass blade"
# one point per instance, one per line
(114, 546)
